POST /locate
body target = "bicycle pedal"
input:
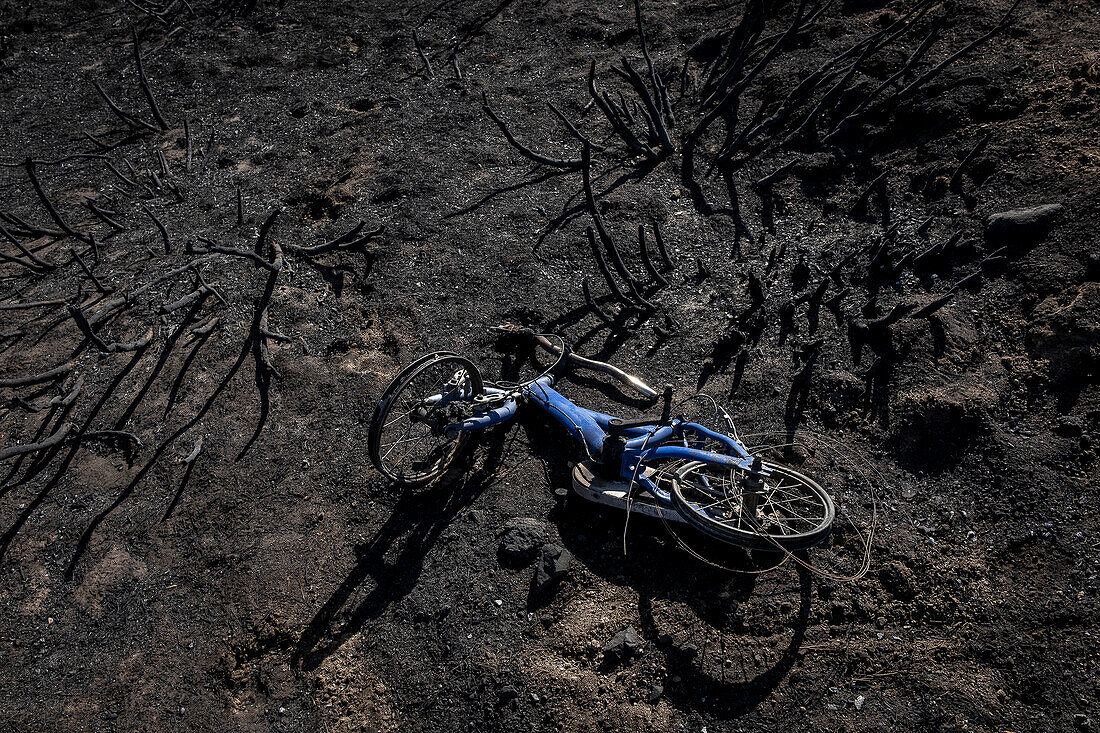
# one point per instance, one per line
(589, 485)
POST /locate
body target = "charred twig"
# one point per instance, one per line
(643, 247)
(608, 242)
(240, 208)
(756, 291)
(24, 263)
(919, 81)
(206, 328)
(145, 88)
(936, 251)
(210, 288)
(572, 128)
(920, 51)
(88, 271)
(22, 228)
(113, 348)
(209, 149)
(110, 307)
(129, 119)
(62, 400)
(934, 306)
(50, 442)
(190, 458)
(656, 115)
(660, 240)
(126, 180)
(247, 254)
(260, 332)
(601, 263)
(104, 216)
(600, 313)
(423, 56)
(956, 177)
(726, 93)
(775, 176)
(860, 204)
(261, 240)
(817, 295)
(966, 281)
(56, 161)
(349, 240)
(160, 225)
(524, 150)
(30, 305)
(45, 376)
(899, 311)
(702, 272)
(196, 294)
(132, 441)
(615, 120)
(187, 136)
(29, 165)
(834, 303)
(658, 86)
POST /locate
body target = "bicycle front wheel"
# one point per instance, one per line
(407, 440)
(792, 512)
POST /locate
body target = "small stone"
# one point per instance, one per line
(623, 645)
(498, 602)
(1069, 427)
(898, 581)
(655, 694)
(860, 699)
(1021, 226)
(552, 566)
(521, 537)
(507, 694)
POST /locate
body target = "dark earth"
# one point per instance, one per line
(192, 535)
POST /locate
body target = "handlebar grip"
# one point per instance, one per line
(638, 384)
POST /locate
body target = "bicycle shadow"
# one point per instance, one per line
(725, 640)
(394, 558)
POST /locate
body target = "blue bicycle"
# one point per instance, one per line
(665, 467)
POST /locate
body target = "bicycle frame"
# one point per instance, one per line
(591, 429)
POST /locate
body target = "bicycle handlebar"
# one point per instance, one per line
(580, 361)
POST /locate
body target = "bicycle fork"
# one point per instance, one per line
(753, 487)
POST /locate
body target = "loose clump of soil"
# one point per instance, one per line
(228, 224)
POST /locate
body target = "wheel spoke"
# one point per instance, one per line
(790, 507)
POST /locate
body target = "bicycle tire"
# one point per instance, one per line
(442, 361)
(781, 528)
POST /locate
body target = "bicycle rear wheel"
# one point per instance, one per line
(792, 511)
(407, 440)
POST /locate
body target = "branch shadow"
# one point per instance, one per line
(394, 558)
